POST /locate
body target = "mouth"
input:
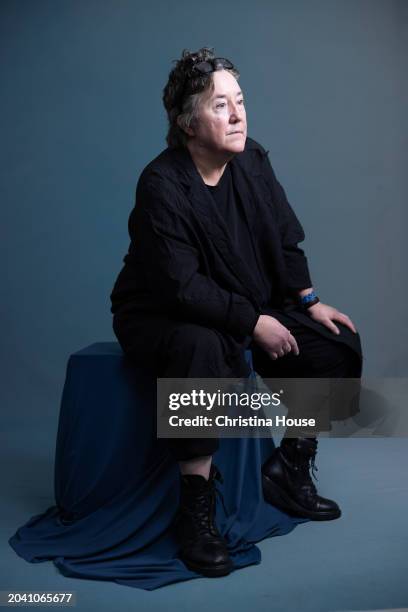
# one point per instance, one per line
(237, 132)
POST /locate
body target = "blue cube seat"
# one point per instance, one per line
(117, 485)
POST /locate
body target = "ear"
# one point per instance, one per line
(187, 130)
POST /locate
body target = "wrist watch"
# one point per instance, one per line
(309, 300)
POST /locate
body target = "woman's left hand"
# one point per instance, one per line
(322, 313)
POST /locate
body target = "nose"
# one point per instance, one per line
(235, 113)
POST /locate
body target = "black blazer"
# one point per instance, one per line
(182, 261)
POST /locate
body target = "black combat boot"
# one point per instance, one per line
(287, 483)
(202, 548)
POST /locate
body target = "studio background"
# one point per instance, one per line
(81, 113)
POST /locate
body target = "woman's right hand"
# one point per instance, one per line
(274, 338)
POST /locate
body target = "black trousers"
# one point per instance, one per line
(187, 350)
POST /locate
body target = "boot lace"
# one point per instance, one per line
(305, 464)
(202, 511)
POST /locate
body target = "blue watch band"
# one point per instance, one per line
(308, 298)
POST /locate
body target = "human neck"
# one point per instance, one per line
(209, 164)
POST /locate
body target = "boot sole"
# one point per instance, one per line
(209, 571)
(276, 496)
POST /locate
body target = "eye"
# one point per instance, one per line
(241, 101)
(220, 105)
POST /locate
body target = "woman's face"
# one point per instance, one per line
(221, 123)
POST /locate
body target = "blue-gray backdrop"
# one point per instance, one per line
(81, 115)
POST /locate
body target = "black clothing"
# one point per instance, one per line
(202, 547)
(181, 259)
(193, 351)
(201, 268)
(232, 211)
(287, 483)
(182, 264)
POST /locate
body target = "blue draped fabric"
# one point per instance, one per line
(117, 486)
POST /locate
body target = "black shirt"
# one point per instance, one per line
(230, 208)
